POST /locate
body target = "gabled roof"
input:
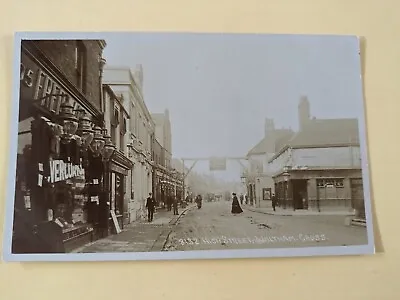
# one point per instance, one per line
(326, 132)
(267, 144)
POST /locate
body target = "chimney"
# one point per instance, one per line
(269, 127)
(269, 134)
(304, 112)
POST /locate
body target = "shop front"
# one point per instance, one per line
(119, 200)
(60, 199)
(316, 189)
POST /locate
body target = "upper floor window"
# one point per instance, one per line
(80, 65)
(122, 131)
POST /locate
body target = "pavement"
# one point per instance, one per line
(213, 227)
(140, 236)
(290, 212)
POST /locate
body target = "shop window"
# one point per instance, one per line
(330, 183)
(339, 183)
(80, 65)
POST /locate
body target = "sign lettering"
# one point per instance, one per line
(36, 83)
(60, 171)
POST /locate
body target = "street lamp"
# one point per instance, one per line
(286, 177)
(85, 130)
(107, 152)
(68, 121)
(98, 141)
(108, 148)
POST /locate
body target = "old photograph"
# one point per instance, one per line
(142, 145)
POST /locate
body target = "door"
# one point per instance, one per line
(119, 193)
(300, 198)
(357, 196)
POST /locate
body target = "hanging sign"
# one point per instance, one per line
(217, 164)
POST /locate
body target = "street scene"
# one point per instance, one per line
(197, 143)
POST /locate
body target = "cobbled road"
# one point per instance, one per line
(213, 227)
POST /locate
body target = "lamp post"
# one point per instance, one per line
(286, 177)
(107, 153)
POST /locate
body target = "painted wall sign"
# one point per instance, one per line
(60, 171)
(36, 83)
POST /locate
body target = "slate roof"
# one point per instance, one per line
(266, 145)
(326, 132)
(317, 133)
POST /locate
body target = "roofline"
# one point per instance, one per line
(312, 146)
(140, 92)
(316, 169)
(109, 88)
(102, 44)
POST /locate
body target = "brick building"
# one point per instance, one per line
(61, 197)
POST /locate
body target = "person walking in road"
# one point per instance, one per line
(175, 205)
(150, 205)
(273, 201)
(236, 209)
(241, 197)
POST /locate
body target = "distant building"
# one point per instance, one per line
(319, 168)
(163, 133)
(260, 185)
(116, 119)
(127, 85)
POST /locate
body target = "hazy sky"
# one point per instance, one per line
(219, 88)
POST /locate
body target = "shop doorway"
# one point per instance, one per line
(300, 197)
(357, 196)
(119, 193)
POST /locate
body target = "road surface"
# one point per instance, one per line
(213, 227)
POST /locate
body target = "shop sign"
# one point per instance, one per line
(36, 83)
(60, 171)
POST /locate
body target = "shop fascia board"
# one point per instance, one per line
(41, 59)
(120, 159)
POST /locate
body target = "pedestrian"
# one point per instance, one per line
(236, 209)
(241, 199)
(273, 201)
(169, 202)
(150, 204)
(175, 205)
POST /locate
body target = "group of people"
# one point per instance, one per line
(172, 203)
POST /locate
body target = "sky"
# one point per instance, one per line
(219, 88)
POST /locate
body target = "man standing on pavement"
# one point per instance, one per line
(241, 197)
(150, 203)
(273, 201)
(175, 205)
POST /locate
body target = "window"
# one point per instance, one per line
(114, 125)
(338, 183)
(80, 65)
(133, 120)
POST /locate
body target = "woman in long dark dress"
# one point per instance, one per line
(236, 209)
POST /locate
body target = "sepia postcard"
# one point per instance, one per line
(160, 146)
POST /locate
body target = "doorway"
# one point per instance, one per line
(300, 197)
(119, 193)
